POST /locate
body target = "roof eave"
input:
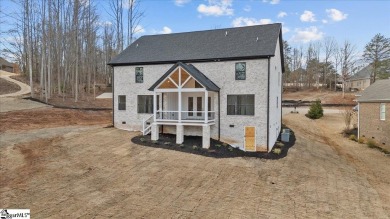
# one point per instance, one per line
(190, 60)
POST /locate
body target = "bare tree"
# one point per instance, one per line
(134, 16)
(329, 49)
(347, 55)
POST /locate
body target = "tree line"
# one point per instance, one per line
(327, 63)
(65, 47)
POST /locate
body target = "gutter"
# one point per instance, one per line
(190, 60)
(269, 73)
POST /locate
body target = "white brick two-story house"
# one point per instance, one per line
(224, 84)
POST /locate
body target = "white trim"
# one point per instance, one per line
(179, 96)
(154, 105)
(358, 120)
(245, 138)
(174, 90)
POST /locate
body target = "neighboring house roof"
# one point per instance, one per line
(194, 72)
(376, 92)
(5, 62)
(364, 73)
(210, 45)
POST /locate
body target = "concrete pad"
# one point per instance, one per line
(104, 96)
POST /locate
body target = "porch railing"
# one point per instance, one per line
(195, 116)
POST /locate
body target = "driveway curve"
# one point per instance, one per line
(24, 88)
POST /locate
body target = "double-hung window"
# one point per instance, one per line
(139, 75)
(145, 103)
(240, 71)
(122, 102)
(241, 104)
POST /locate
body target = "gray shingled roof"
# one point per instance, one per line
(194, 72)
(364, 73)
(230, 43)
(376, 92)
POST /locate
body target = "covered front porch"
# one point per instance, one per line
(188, 98)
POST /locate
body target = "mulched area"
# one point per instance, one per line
(7, 87)
(218, 149)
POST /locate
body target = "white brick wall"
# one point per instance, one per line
(223, 75)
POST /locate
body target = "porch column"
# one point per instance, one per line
(179, 134)
(206, 106)
(179, 95)
(154, 130)
(154, 105)
(206, 136)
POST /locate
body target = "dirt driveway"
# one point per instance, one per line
(97, 172)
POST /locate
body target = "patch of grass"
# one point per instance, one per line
(279, 144)
(361, 140)
(277, 151)
(194, 147)
(371, 144)
(353, 137)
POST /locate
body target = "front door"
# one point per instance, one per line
(250, 136)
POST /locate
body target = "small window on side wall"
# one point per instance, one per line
(383, 111)
(122, 102)
(139, 75)
(240, 71)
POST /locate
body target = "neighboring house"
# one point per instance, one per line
(6, 66)
(360, 80)
(223, 84)
(374, 112)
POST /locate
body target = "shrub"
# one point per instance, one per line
(155, 142)
(277, 151)
(195, 147)
(352, 137)
(347, 116)
(224, 144)
(315, 111)
(218, 145)
(279, 144)
(142, 139)
(167, 143)
(361, 140)
(181, 146)
(371, 143)
(230, 148)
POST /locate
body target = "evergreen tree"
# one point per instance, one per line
(376, 52)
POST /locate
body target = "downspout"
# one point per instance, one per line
(219, 116)
(113, 100)
(269, 73)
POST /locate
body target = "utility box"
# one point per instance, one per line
(285, 135)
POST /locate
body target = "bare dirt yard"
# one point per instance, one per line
(326, 96)
(84, 171)
(51, 117)
(7, 87)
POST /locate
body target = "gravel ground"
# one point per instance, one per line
(99, 173)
